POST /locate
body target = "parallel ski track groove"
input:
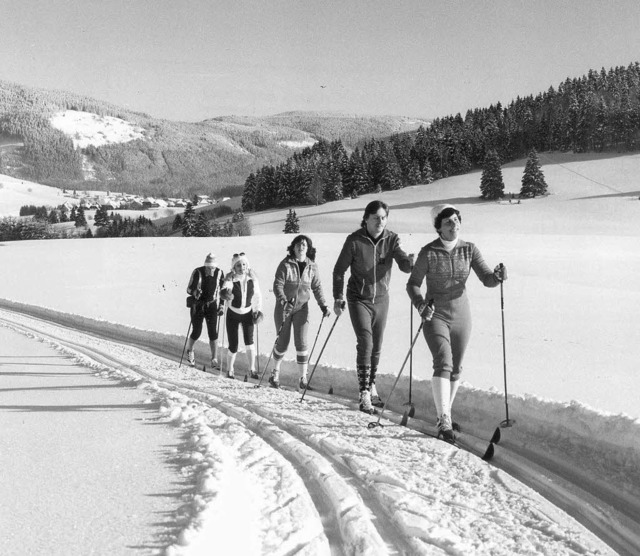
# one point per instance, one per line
(606, 513)
(384, 525)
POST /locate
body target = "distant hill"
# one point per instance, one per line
(67, 140)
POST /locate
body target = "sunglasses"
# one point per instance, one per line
(238, 254)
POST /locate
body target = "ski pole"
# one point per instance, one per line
(273, 349)
(319, 356)
(507, 422)
(224, 329)
(377, 423)
(185, 344)
(374, 424)
(412, 408)
(316, 340)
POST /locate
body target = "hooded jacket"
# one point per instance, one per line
(371, 262)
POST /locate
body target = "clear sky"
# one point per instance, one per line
(195, 59)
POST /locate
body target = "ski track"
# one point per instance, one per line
(387, 490)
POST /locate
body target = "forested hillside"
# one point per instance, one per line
(175, 159)
(597, 112)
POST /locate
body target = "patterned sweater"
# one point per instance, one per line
(446, 272)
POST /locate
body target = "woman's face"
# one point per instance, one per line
(300, 250)
(450, 228)
(376, 222)
(240, 267)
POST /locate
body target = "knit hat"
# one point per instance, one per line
(210, 260)
(238, 257)
(435, 211)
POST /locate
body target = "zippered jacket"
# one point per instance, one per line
(446, 272)
(245, 290)
(290, 283)
(370, 262)
(205, 288)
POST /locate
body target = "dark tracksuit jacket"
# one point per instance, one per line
(370, 262)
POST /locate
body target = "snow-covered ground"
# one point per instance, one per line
(571, 306)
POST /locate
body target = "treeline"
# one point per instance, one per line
(206, 223)
(597, 112)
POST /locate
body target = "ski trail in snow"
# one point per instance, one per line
(403, 493)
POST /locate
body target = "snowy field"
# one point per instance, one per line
(572, 345)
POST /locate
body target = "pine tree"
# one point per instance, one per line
(201, 228)
(102, 217)
(292, 223)
(491, 182)
(533, 182)
(189, 221)
(80, 218)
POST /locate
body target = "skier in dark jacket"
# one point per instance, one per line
(369, 253)
(446, 264)
(297, 277)
(204, 287)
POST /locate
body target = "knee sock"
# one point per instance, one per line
(455, 384)
(441, 389)
(364, 376)
(231, 360)
(251, 357)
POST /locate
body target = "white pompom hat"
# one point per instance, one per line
(210, 260)
(435, 211)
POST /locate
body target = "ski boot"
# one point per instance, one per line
(365, 403)
(273, 380)
(445, 429)
(304, 384)
(191, 357)
(376, 400)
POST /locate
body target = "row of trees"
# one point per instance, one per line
(205, 224)
(598, 112)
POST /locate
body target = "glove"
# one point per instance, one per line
(287, 307)
(500, 272)
(226, 295)
(426, 310)
(197, 294)
(220, 311)
(257, 317)
(326, 312)
(338, 307)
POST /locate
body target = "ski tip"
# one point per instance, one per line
(496, 436)
(412, 410)
(405, 418)
(489, 453)
(246, 379)
(204, 368)
(331, 390)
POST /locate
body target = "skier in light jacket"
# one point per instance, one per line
(241, 291)
(296, 278)
(446, 264)
(369, 253)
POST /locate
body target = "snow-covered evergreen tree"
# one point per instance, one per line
(491, 182)
(292, 223)
(189, 221)
(533, 182)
